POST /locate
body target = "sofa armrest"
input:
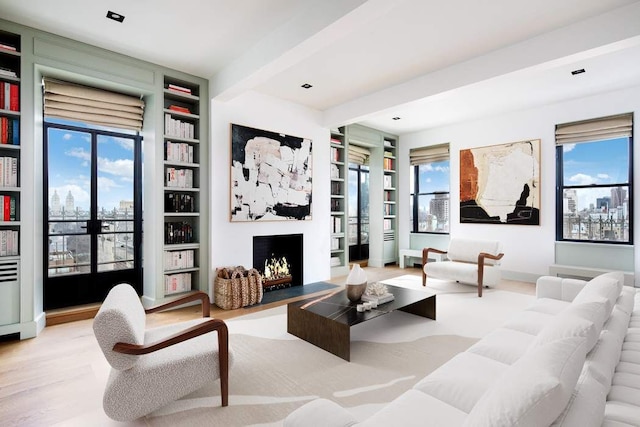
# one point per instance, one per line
(320, 413)
(558, 288)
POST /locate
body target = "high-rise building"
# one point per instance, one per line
(439, 207)
(618, 197)
(56, 208)
(571, 200)
(69, 203)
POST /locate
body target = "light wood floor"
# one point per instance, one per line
(58, 377)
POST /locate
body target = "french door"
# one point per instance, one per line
(93, 213)
(358, 212)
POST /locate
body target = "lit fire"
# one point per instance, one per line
(275, 268)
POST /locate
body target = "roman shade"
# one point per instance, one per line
(423, 155)
(358, 155)
(72, 101)
(619, 126)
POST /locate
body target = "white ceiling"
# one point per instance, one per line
(428, 62)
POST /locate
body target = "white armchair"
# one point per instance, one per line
(475, 262)
(153, 367)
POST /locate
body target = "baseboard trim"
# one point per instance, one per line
(71, 314)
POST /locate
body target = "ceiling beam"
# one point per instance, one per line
(595, 36)
(320, 24)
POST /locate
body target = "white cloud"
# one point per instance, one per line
(603, 176)
(120, 167)
(67, 136)
(80, 153)
(582, 179)
(568, 147)
(107, 184)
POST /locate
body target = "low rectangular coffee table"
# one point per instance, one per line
(326, 321)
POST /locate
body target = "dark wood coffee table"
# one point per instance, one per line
(326, 321)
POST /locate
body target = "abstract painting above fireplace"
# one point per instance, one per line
(270, 175)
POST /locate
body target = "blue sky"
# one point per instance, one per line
(601, 162)
(433, 177)
(69, 168)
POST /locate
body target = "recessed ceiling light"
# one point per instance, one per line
(115, 16)
(576, 72)
(395, 118)
(306, 86)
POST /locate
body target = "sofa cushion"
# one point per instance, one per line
(568, 324)
(528, 321)
(622, 412)
(503, 345)
(413, 408)
(548, 305)
(535, 390)
(602, 286)
(462, 380)
(602, 359)
(586, 406)
(121, 318)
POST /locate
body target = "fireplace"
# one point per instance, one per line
(278, 258)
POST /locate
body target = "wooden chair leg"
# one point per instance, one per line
(223, 361)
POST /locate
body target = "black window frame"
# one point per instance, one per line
(561, 187)
(415, 194)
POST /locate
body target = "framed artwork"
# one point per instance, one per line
(500, 184)
(270, 176)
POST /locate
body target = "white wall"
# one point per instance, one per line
(232, 243)
(529, 250)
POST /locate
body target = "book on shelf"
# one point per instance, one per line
(176, 233)
(179, 202)
(179, 152)
(8, 206)
(176, 260)
(336, 141)
(9, 96)
(8, 242)
(335, 243)
(179, 282)
(179, 109)
(8, 72)
(179, 178)
(387, 224)
(9, 131)
(7, 46)
(336, 225)
(8, 172)
(380, 299)
(388, 163)
(180, 89)
(178, 128)
(335, 261)
(388, 181)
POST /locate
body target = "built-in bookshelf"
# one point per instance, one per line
(10, 150)
(182, 177)
(389, 200)
(338, 174)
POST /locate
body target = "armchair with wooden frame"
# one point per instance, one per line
(153, 367)
(475, 262)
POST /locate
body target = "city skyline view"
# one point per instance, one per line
(595, 163)
(69, 167)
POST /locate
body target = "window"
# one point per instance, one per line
(594, 175)
(429, 203)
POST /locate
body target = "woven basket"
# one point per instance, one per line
(236, 287)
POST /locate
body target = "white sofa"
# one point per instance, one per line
(471, 261)
(572, 358)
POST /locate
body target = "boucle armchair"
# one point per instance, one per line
(152, 367)
(475, 262)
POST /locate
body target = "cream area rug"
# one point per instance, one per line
(275, 372)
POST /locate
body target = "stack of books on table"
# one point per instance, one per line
(380, 299)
